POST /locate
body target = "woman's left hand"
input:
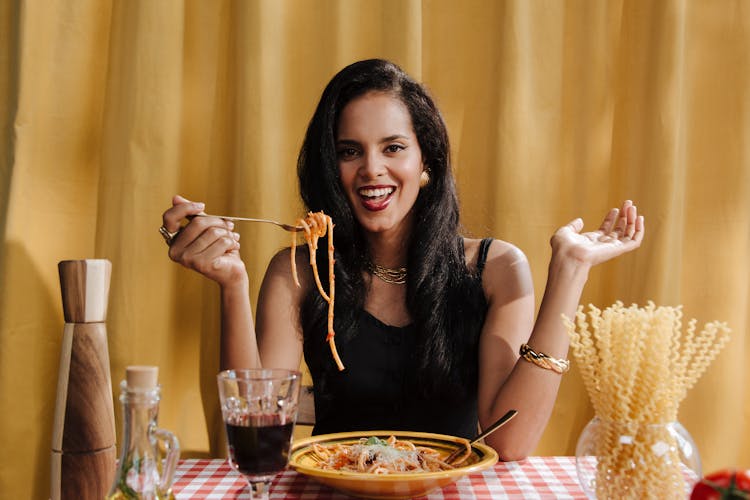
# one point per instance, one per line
(620, 232)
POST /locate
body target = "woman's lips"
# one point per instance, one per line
(376, 198)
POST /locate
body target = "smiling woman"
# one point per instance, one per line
(424, 316)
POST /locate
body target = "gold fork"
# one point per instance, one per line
(286, 227)
(492, 428)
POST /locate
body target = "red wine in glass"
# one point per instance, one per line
(259, 450)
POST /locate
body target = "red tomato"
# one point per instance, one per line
(725, 484)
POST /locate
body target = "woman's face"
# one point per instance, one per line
(380, 162)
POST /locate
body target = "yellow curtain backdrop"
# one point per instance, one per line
(556, 109)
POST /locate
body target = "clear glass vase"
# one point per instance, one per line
(624, 460)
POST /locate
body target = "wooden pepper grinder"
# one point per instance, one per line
(83, 437)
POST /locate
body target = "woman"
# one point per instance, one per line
(429, 324)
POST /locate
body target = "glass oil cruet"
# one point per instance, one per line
(149, 455)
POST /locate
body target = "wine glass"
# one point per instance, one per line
(259, 408)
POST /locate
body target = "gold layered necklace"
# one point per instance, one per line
(394, 276)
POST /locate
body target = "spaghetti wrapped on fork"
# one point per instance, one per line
(316, 225)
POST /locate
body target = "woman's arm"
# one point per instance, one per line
(238, 345)
(209, 246)
(279, 300)
(506, 381)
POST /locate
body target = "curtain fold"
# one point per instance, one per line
(555, 110)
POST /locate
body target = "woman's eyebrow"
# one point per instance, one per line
(394, 137)
(352, 142)
(347, 142)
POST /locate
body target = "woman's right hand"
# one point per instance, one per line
(205, 244)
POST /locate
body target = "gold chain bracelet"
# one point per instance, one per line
(544, 361)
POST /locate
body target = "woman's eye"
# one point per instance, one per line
(347, 153)
(394, 148)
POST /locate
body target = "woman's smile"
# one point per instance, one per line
(376, 198)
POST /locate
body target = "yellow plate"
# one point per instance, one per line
(405, 485)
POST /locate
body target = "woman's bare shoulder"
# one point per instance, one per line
(499, 253)
(280, 266)
(506, 269)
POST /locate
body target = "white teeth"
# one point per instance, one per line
(374, 193)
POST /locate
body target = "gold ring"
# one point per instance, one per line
(167, 235)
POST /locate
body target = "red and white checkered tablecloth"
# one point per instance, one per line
(534, 478)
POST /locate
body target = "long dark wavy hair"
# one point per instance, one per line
(445, 300)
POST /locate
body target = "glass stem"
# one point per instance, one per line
(260, 490)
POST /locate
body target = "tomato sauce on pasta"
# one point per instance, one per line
(383, 456)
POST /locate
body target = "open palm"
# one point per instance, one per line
(620, 232)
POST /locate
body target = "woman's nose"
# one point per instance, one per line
(373, 165)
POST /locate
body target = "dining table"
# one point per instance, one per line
(536, 477)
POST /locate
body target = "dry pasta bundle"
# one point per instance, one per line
(637, 364)
(317, 225)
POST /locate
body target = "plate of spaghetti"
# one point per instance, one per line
(387, 464)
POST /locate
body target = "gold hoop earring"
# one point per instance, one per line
(424, 178)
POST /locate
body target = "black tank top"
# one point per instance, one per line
(374, 393)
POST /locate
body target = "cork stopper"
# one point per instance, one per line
(141, 377)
